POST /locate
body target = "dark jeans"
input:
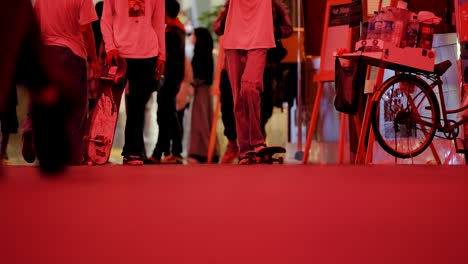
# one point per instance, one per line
(168, 122)
(141, 83)
(227, 104)
(74, 88)
(180, 118)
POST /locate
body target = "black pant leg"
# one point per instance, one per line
(227, 107)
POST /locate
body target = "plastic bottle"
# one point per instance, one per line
(387, 29)
(378, 25)
(398, 30)
(371, 26)
(412, 32)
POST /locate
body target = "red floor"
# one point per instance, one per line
(233, 214)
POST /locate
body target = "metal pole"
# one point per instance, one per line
(194, 13)
(299, 151)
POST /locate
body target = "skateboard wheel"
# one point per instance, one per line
(90, 163)
(258, 159)
(280, 160)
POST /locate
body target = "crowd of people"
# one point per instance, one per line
(74, 39)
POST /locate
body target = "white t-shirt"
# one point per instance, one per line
(136, 28)
(249, 25)
(60, 22)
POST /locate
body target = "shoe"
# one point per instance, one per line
(232, 153)
(259, 147)
(247, 160)
(193, 160)
(172, 159)
(152, 160)
(27, 147)
(132, 160)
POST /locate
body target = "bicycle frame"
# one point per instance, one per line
(445, 112)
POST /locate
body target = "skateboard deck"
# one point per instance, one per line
(103, 118)
(266, 154)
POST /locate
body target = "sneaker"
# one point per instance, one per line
(247, 160)
(27, 147)
(152, 160)
(132, 160)
(232, 153)
(259, 147)
(191, 160)
(172, 159)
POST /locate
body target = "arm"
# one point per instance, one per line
(159, 23)
(283, 25)
(159, 15)
(220, 21)
(88, 37)
(112, 52)
(106, 26)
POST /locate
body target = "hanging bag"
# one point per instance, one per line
(349, 84)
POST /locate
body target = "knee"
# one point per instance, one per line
(250, 88)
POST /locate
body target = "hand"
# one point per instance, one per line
(160, 67)
(96, 70)
(112, 57)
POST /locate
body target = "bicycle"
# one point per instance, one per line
(411, 112)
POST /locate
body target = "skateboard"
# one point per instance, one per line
(103, 118)
(266, 154)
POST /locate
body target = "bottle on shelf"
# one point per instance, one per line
(387, 29)
(398, 28)
(378, 25)
(411, 37)
(371, 26)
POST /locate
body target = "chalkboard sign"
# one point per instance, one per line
(339, 15)
(336, 35)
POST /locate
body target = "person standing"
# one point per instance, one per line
(248, 34)
(69, 39)
(135, 31)
(202, 105)
(24, 61)
(170, 134)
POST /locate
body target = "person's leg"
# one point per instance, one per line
(3, 147)
(266, 98)
(79, 116)
(180, 119)
(77, 89)
(174, 126)
(235, 64)
(163, 142)
(9, 123)
(229, 122)
(227, 107)
(140, 75)
(27, 138)
(251, 88)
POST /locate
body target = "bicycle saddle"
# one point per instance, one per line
(442, 67)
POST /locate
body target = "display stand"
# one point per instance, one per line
(461, 9)
(335, 33)
(377, 59)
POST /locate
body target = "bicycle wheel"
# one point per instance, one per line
(405, 112)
